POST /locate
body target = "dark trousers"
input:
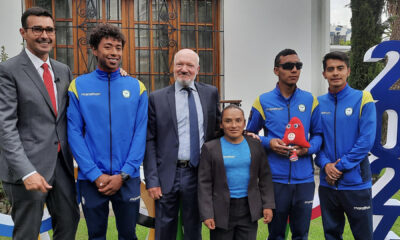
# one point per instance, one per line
(357, 204)
(293, 201)
(27, 206)
(125, 203)
(184, 193)
(240, 226)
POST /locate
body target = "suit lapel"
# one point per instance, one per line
(203, 99)
(253, 164)
(218, 152)
(33, 74)
(172, 106)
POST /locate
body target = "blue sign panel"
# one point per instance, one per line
(386, 156)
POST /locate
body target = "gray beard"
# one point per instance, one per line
(184, 83)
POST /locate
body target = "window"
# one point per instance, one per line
(155, 30)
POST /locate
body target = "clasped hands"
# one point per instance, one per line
(332, 173)
(108, 184)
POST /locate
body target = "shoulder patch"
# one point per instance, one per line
(142, 87)
(72, 88)
(315, 104)
(366, 98)
(257, 105)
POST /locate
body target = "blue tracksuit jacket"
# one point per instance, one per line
(107, 123)
(272, 112)
(349, 124)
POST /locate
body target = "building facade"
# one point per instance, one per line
(236, 40)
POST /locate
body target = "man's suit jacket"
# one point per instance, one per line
(29, 130)
(162, 133)
(213, 191)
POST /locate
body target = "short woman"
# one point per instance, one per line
(234, 181)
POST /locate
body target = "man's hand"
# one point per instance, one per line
(332, 172)
(155, 193)
(36, 182)
(113, 186)
(102, 181)
(301, 151)
(278, 146)
(123, 72)
(267, 212)
(330, 181)
(253, 135)
(210, 223)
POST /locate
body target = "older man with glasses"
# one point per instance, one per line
(293, 179)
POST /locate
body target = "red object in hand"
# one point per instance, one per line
(294, 134)
(293, 157)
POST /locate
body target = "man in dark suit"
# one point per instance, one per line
(35, 163)
(181, 118)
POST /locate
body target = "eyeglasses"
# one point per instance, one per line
(39, 30)
(290, 65)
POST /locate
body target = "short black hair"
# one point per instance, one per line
(34, 11)
(230, 106)
(284, 52)
(337, 56)
(105, 30)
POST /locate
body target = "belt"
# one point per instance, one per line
(183, 163)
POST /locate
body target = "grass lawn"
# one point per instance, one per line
(316, 231)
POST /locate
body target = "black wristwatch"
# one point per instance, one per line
(125, 177)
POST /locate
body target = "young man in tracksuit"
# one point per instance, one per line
(107, 122)
(293, 181)
(349, 124)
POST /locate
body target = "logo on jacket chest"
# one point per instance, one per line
(91, 94)
(273, 109)
(302, 107)
(348, 111)
(126, 93)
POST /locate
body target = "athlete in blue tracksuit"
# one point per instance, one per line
(293, 181)
(107, 122)
(349, 124)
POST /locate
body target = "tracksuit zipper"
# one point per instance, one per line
(290, 162)
(334, 135)
(109, 117)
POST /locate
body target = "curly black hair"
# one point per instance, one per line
(105, 31)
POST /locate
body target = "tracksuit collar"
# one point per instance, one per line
(104, 75)
(277, 91)
(342, 93)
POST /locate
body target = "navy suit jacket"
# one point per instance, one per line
(162, 133)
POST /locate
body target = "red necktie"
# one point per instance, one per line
(48, 83)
